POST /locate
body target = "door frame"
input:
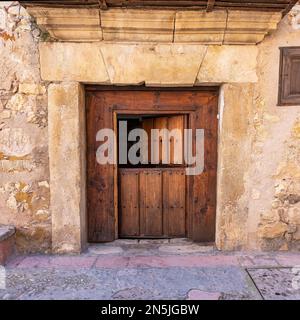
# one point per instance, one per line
(190, 111)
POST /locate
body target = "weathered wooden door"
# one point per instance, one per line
(152, 202)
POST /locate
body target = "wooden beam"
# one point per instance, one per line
(258, 5)
(289, 7)
(103, 4)
(210, 5)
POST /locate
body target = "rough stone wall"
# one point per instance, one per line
(24, 174)
(261, 156)
(275, 172)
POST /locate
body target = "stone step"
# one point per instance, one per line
(7, 242)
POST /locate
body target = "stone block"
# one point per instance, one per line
(200, 26)
(32, 88)
(81, 62)
(137, 25)
(154, 65)
(273, 230)
(69, 24)
(229, 64)
(244, 27)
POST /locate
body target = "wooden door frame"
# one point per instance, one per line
(190, 111)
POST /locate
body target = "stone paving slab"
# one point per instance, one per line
(196, 294)
(277, 283)
(124, 283)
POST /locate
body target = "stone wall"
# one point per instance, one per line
(24, 173)
(275, 171)
(260, 156)
(258, 169)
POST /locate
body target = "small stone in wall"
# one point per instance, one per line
(5, 114)
(42, 215)
(284, 247)
(281, 189)
(276, 203)
(39, 118)
(20, 196)
(296, 235)
(12, 202)
(44, 184)
(273, 230)
(17, 102)
(32, 88)
(294, 215)
(293, 198)
(283, 213)
(288, 237)
(270, 217)
(15, 144)
(291, 228)
(294, 17)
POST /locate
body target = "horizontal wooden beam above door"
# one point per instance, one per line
(261, 5)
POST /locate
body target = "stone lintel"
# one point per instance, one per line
(153, 65)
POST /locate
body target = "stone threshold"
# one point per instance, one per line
(151, 241)
(148, 246)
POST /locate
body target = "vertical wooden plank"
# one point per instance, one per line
(147, 125)
(176, 147)
(204, 184)
(161, 123)
(129, 203)
(174, 202)
(116, 201)
(100, 186)
(151, 203)
(190, 188)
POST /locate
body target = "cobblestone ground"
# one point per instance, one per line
(153, 270)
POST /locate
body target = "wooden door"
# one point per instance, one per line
(196, 205)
